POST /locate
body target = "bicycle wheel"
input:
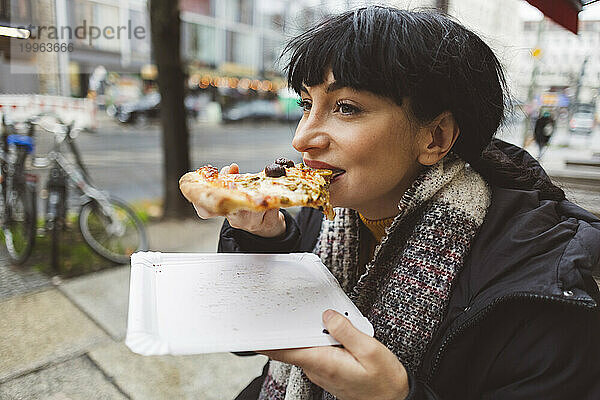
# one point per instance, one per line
(113, 237)
(19, 224)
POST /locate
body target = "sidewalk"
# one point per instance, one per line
(580, 183)
(65, 340)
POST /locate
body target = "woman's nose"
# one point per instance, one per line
(310, 134)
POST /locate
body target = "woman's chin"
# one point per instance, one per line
(339, 201)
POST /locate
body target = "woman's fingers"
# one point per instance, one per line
(233, 168)
(247, 220)
(203, 213)
(274, 222)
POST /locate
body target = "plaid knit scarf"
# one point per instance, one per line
(406, 287)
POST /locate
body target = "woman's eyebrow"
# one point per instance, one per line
(332, 87)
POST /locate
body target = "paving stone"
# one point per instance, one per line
(74, 379)
(15, 281)
(218, 376)
(189, 235)
(39, 328)
(104, 297)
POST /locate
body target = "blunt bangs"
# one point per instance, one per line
(366, 49)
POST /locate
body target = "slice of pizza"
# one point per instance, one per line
(281, 184)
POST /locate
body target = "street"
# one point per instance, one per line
(127, 160)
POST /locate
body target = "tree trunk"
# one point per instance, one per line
(442, 5)
(165, 25)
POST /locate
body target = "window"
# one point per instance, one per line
(16, 11)
(271, 50)
(240, 11)
(202, 7)
(272, 13)
(140, 44)
(106, 17)
(4, 10)
(199, 43)
(83, 12)
(240, 48)
(101, 16)
(246, 14)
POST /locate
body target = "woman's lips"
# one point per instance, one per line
(336, 172)
(337, 176)
(320, 165)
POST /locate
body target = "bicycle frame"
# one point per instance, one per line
(76, 174)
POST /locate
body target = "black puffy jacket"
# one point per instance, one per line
(523, 320)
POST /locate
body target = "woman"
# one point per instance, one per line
(472, 267)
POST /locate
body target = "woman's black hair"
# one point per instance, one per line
(435, 62)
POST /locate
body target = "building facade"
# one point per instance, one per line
(559, 61)
(243, 35)
(19, 69)
(122, 46)
(92, 33)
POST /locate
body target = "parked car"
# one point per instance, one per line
(148, 107)
(582, 122)
(253, 110)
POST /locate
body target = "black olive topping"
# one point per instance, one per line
(274, 170)
(285, 162)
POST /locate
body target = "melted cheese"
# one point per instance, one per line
(299, 186)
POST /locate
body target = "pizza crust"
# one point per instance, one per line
(197, 189)
(213, 199)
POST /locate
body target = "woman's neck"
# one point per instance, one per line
(387, 206)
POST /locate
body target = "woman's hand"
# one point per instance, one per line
(270, 223)
(363, 369)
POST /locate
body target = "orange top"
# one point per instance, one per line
(377, 226)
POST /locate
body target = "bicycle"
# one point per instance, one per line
(108, 225)
(18, 208)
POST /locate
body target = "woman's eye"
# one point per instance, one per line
(347, 109)
(305, 105)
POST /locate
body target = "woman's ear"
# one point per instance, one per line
(437, 138)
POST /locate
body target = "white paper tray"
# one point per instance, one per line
(184, 303)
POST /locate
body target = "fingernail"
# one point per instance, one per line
(327, 315)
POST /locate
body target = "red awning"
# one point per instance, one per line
(563, 12)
